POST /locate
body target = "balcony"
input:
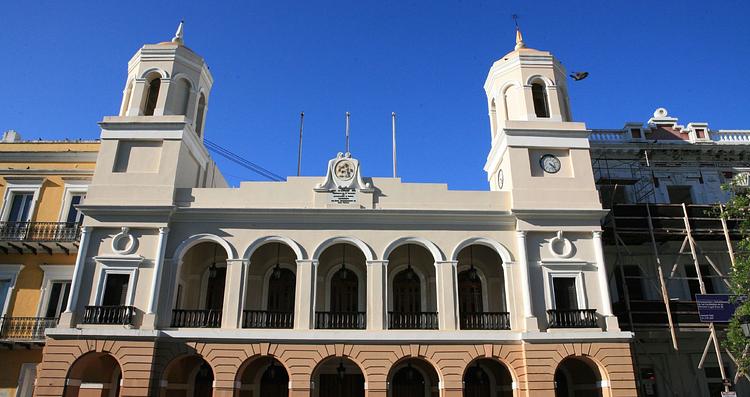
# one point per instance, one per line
(39, 237)
(196, 318)
(340, 320)
(25, 329)
(486, 320)
(108, 315)
(416, 320)
(572, 318)
(267, 319)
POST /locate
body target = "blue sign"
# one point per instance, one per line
(716, 308)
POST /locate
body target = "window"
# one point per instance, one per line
(693, 284)
(74, 216)
(4, 293)
(281, 291)
(58, 299)
(344, 291)
(566, 297)
(632, 281)
(20, 206)
(407, 293)
(116, 289)
(200, 115)
(635, 133)
(469, 292)
(182, 90)
(152, 96)
(613, 194)
(700, 133)
(680, 194)
(541, 105)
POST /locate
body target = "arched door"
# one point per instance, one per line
(281, 291)
(407, 293)
(344, 291)
(204, 381)
(476, 382)
(576, 377)
(408, 382)
(274, 382)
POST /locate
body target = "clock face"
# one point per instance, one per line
(344, 169)
(550, 163)
(500, 179)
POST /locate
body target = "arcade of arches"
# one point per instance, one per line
(197, 369)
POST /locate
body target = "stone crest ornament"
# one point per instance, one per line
(343, 174)
(560, 246)
(123, 243)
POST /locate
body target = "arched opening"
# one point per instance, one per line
(413, 378)
(201, 282)
(481, 289)
(271, 287)
(152, 94)
(338, 377)
(412, 300)
(188, 376)
(94, 375)
(541, 103)
(577, 377)
(264, 377)
(493, 118)
(200, 115)
(342, 276)
(487, 378)
(182, 96)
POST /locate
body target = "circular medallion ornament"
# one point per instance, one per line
(500, 179)
(550, 163)
(344, 169)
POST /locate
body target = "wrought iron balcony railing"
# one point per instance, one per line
(486, 320)
(572, 318)
(416, 320)
(340, 320)
(40, 231)
(25, 328)
(202, 318)
(112, 315)
(267, 319)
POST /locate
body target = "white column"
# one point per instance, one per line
(136, 97)
(509, 291)
(66, 319)
(447, 291)
(161, 100)
(523, 270)
(304, 296)
(601, 273)
(377, 271)
(153, 303)
(231, 307)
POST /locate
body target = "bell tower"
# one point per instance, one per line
(155, 144)
(538, 153)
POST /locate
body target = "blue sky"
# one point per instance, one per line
(64, 68)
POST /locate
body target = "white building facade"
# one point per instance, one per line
(339, 285)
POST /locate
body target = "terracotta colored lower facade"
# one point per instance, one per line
(180, 368)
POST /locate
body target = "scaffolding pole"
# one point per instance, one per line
(664, 292)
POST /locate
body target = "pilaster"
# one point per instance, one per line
(376, 294)
(304, 296)
(447, 293)
(66, 318)
(233, 293)
(149, 319)
(531, 323)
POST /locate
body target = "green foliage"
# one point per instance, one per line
(738, 208)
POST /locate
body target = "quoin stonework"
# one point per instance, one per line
(351, 285)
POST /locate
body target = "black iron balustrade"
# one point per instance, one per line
(416, 320)
(202, 318)
(486, 320)
(340, 320)
(572, 318)
(25, 328)
(113, 315)
(267, 319)
(40, 231)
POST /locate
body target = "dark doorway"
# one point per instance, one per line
(344, 291)
(215, 289)
(470, 292)
(274, 382)
(349, 385)
(408, 382)
(407, 292)
(204, 381)
(281, 291)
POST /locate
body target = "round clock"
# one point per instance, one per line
(550, 163)
(500, 179)
(344, 169)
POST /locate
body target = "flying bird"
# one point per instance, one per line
(579, 75)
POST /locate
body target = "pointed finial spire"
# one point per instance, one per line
(519, 37)
(178, 34)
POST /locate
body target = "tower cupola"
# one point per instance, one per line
(168, 79)
(526, 85)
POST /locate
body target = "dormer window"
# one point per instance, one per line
(700, 133)
(635, 133)
(541, 104)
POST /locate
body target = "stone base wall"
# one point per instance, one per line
(532, 365)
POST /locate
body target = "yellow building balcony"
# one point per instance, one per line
(39, 237)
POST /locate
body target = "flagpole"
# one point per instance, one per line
(347, 131)
(393, 129)
(299, 151)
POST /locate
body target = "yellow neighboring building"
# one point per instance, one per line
(41, 183)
